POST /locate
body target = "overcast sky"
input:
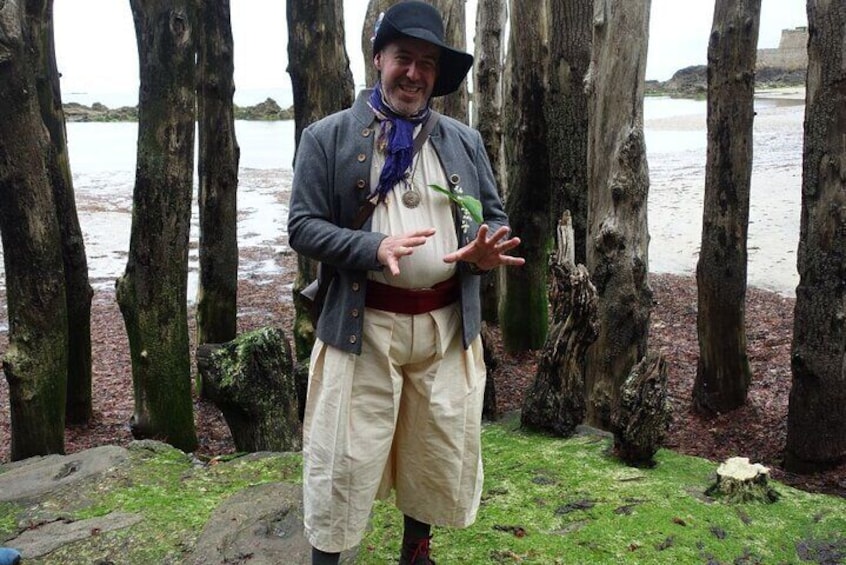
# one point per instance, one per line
(96, 50)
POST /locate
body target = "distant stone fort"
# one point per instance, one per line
(791, 54)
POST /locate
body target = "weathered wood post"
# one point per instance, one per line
(556, 400)
(152, 292)
(618, 179)
(723, 374)
(36, 361)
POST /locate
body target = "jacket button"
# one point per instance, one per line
(353, 339)
(366, 132)
(360, 184)
(362, 157)
(356, 287)
(354, 313)
(454, 179)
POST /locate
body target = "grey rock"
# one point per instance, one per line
(44, 538)
(39, 476)
(261, 525)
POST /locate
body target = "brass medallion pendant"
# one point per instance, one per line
(411, 198)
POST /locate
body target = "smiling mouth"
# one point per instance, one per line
(411, 89)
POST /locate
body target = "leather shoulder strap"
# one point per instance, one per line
(426, 130)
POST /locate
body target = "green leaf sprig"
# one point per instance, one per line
(467, 202)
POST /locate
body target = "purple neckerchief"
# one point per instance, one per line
(397, 138)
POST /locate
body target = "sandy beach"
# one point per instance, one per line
(676, 147)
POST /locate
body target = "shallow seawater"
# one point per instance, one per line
(102, 159)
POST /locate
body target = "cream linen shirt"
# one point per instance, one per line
(425, 267)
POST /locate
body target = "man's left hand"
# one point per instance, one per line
(488, 252)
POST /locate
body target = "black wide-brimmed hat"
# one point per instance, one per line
(423, 21)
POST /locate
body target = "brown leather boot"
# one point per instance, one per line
(416, 552)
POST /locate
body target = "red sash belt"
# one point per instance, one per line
(408, 301)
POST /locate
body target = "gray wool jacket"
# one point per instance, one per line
(332, 181)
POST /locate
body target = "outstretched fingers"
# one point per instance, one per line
(497, 255)
(488, 252)
(394, 247)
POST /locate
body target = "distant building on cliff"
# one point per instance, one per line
(791, 54)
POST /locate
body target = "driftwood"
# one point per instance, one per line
(252, 380)
(640, 419)
(555, 402)
(738, 480)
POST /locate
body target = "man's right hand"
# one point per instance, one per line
(394, 247)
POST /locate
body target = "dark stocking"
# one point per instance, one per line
(414, 530)
(415, 543)
(322, 558)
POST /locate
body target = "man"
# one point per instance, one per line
(396, 381)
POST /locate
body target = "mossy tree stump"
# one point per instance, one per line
(253, 382)
(640, 419)
(738, 480)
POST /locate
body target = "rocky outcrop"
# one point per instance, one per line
(775, 77)
(44, 538)
(774, 68)
(689, 81)
(264, 111)
(75, 112)
(261, 525)
(268, 110)
(693, 81)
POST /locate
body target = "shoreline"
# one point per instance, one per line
(269, 110)
(781, 93)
